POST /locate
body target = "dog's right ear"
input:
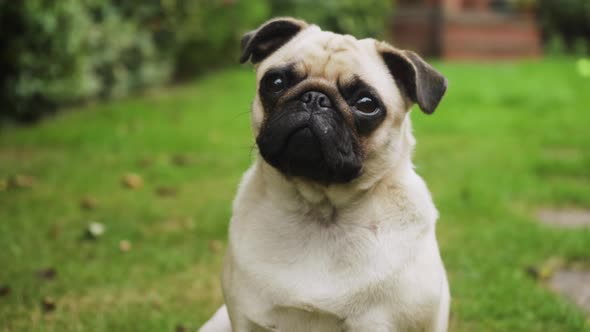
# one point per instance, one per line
(269, 37)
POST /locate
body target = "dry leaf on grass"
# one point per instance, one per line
(124, 245)
(48, 304)
(180, 328)
(89, 203)
(146, 162)
(47, 273)
(55, 230)
(182, 160)
(22, 181)
(165, 191)
(4, 290)
(215, 246)
(132, 181)
(545, 270)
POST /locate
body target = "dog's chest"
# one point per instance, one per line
(306, 302)
(329, 308)
(316, 277)
(290, 272)
(285, 319)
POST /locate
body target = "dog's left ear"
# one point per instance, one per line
(421, 83)
(270, 36)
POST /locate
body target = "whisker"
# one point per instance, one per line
(240, 114)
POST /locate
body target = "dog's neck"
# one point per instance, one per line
(326, 202)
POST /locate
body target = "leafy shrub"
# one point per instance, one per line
(208, 32)
(554, 45)
(569, 19)
(55, 53)
(30, 58)
(360, 18)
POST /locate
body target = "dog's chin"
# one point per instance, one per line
(308, 150)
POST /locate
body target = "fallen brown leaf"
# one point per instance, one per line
(124, 245)
(89, 203)
(182, 160)
(549, 267)
(146, 162)
(22, 181)
(55, 230)
(4, 290)
(532, 272)
(48, 304)
(132, 181)
(165, 191)
(180, 328)
(47, 274)
(215, 246)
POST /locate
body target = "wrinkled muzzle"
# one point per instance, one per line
(308, 137)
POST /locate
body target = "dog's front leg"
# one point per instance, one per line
(218, 323)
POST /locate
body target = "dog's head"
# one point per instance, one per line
(327, 104)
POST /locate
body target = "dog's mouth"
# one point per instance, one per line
(301, 150)
(316, 147)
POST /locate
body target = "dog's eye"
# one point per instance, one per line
(274, 83)
(366, 105)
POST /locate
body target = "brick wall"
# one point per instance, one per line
(464, 29)
(490, 37)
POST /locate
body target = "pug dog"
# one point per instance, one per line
(332, 229)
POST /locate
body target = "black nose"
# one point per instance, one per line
(315, 99)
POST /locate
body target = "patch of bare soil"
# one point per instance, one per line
(562, 152)
(565, 218)
(574, 284)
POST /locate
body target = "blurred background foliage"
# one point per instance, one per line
(58, 52)
(360, 18)
(566, 25)
(55, 53)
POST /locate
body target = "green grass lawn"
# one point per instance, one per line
(507, 140)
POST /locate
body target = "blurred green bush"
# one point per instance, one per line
(566, 22)
(55, 53)
(362, 19)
